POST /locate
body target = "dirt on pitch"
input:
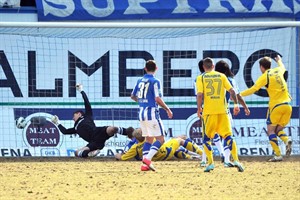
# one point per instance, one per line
(102, 178)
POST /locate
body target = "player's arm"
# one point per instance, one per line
(243, 103)
(131, 153)
(279, 62)
(232, 92)
(162, 104)
(87, 104)
(133, 95)
(66, 131)
(160, 101)
(261, 82)
(199, 98)
(63, 130)
(134, 98)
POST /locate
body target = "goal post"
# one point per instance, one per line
(40, 63)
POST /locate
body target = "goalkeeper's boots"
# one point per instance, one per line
(275, 159)
(288, 148)
(202, 164)
(209, 168)
(148, 163)
(144, 168)
(228, 164)
(93, 153)
(239, 166)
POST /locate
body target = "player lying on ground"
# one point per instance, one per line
(280, 110)
(85, 127)
(179, 147)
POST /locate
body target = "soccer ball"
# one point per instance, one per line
(20, 123)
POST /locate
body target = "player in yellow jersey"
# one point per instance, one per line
(211, 88)
(180, 147)
(280, 110)
(136, 150)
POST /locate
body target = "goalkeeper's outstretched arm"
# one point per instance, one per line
(87, 104)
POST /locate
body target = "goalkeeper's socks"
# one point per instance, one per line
(274, 143)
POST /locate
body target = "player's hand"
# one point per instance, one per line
(55, 120)
(170, 113)
(277, 58)
(199, 112)
(79, 87)
(118, 156)
(236, 110)
(247, 111)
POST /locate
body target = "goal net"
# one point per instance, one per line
(40, 63)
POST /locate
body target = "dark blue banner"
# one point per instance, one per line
(82, 10)
(132, 113)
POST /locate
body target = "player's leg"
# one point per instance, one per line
(203, 159)
(210, 122)
(112, 130)
(190, 145)
(82, 152)
(227, 153)
(155, 129)
(91, 150)
(224, 129)
(218, 143)
(281, 116)
(271, 127)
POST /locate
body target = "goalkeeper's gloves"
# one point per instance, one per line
(55, 120)
(79, 87)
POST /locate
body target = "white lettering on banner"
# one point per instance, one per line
(296, 6)
(136, 8)
(67, 11)
(14, 152)
(279, 5)
(183, 7)
(98, 12)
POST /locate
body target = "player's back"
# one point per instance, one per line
(148, 87)
(277, 86)
(213, 85)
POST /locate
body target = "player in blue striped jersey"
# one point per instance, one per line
(147, 92)
(223, 67)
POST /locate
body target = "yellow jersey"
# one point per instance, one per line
(135, 151)
(213, 85)
(275, 84)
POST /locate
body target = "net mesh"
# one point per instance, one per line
(40, 66)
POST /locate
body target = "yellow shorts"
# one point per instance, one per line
(279, 115)
(217, 123)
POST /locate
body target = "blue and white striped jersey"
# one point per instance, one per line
(146, 90)
(235, 87)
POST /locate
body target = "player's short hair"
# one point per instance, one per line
(78, 111)
(137, 133)
(150, 66)
(223, 68)
(265, 62)
(208, 63)
(200, 65)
